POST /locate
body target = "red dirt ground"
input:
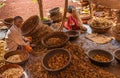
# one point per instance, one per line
(27, 8)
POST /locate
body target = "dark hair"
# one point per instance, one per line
(70, 8)
(17, 17)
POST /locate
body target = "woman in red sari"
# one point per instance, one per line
(73, 22)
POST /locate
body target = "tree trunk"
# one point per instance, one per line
(64, 16)
(40, 9)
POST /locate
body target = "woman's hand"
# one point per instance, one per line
(28, 48)
(28, 39)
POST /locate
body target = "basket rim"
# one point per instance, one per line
(54, 9)
(53, 70)
(101, 27)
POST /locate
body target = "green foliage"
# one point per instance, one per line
(35, 1)
(45, 18)
(1, 5)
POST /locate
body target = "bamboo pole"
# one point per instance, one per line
(40, 8)
(64, 16)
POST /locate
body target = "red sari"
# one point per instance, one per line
(71, 23)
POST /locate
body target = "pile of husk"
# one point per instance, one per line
(56, 26)
(44, 30)
(116, 32)
(80, 66)
(116, 28)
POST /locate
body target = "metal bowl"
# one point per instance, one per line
(73, 34)
(19, 52)
(8, 66)
(116, 54)
(48, 22)
(51, 53)
(100, 52)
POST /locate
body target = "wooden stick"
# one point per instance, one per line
(40, 9)
(64, 16)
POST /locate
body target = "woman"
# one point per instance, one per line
(14, 39)
(74, 22)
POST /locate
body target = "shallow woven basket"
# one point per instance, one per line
(8, 21)
(8, 66)
(53, 52)
(94, 52)
(60, 35)
(17, 52)
(100, 30)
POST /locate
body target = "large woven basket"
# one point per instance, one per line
(60, 35)
(31, 25)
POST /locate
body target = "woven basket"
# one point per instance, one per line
(98, 29)
(60, 35)
(31, 24)
(8, 21)
(54, 11)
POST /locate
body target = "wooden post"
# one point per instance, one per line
(40, 8)
(90, 6)
(64, 16)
